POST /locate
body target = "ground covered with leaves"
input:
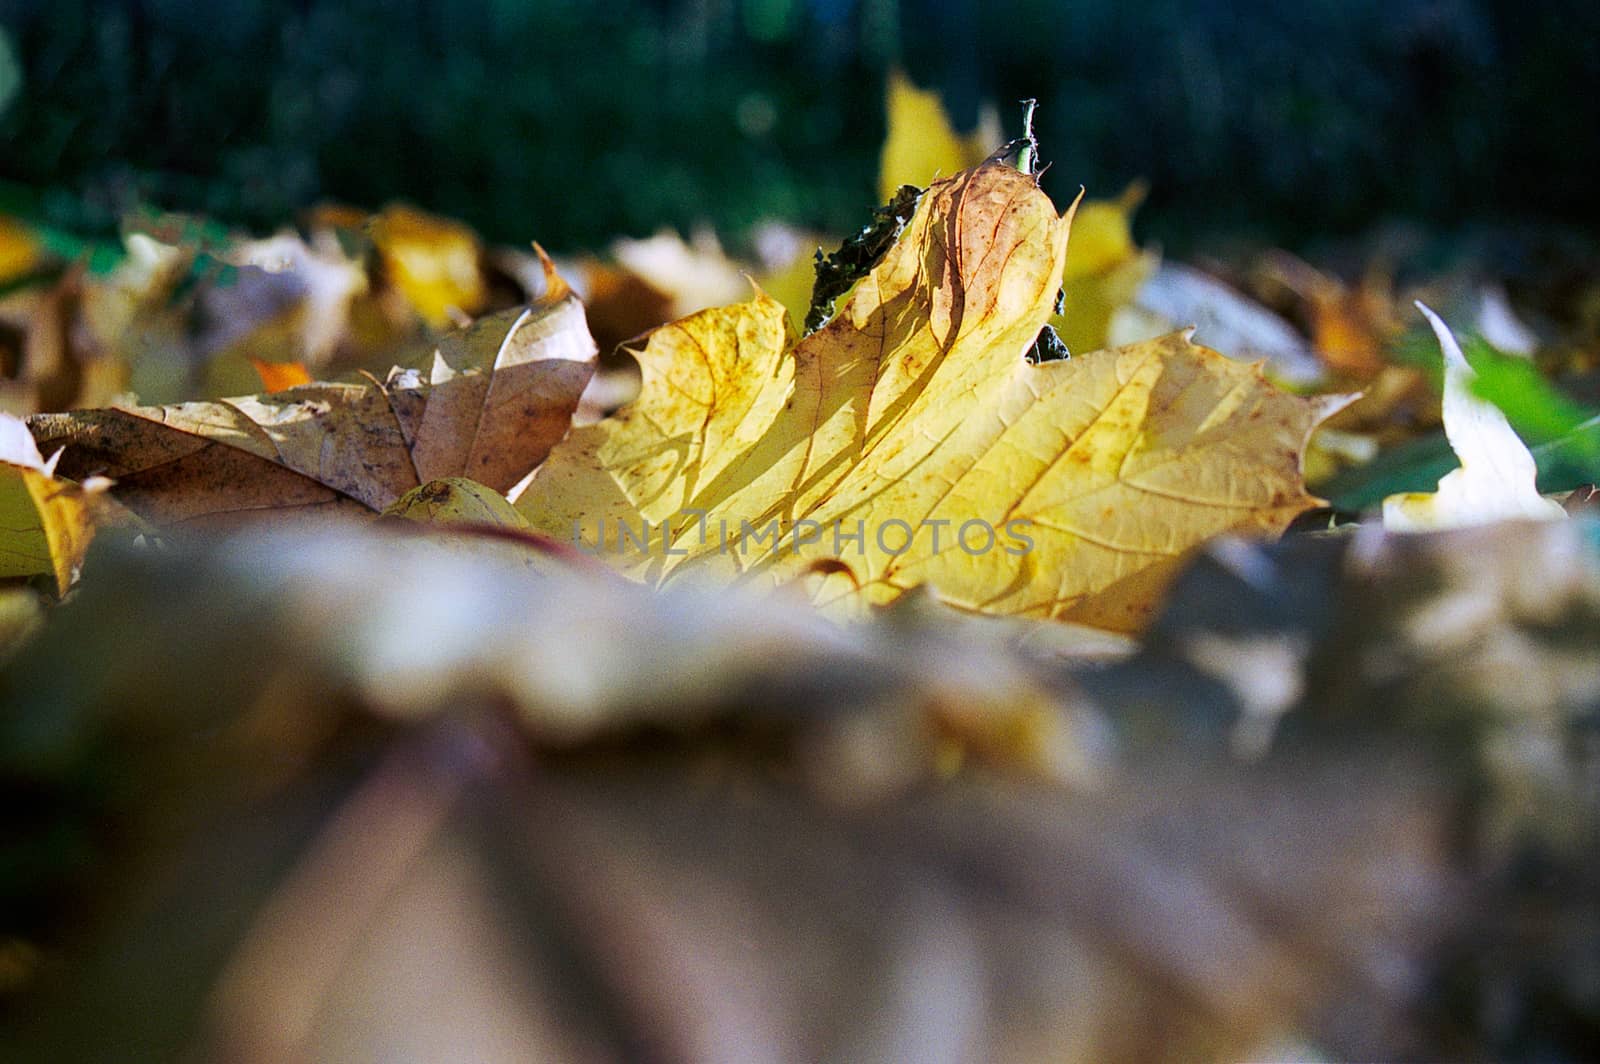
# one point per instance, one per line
(1009, 646)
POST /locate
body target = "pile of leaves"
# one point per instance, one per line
(885, 690)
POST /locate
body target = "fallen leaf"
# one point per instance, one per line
(434, 262)
(1227, 320)
(20, 252)
(1068, 489)
(495, 400)
(620, 306)
(1105, 270)
(278, 376)
(921, 145)
(1496, 479)
(46, 372)
(327, 283)
(45, 526)
(456, 501)
(664, 816)
(692, 276)
(1352, 327)
(1499, 325)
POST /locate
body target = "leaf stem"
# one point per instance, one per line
(1030, 147)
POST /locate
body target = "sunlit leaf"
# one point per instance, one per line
(495, 400)
(45, 523)
(914, 413)
(921, 145)
(1496, 478)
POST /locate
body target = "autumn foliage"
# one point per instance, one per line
(850, 672)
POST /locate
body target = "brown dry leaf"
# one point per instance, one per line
(1068, 489)
(496, 399)
(620, 305)
(44, 370)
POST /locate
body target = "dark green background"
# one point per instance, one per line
(572, 122)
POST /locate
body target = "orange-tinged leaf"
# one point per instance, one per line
(913, 418)
(278, 376)
(497, 397)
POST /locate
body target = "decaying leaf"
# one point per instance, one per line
(1496, 479)
(45, 525)
(909, 442)
(496, 399)
(1104, 267)
(837, 273)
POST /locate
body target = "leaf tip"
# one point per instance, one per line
(555, 286)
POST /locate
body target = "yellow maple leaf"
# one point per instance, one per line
(921, 144)
(1105, 269)
(45, 525)
(434, 262)
(909, 441)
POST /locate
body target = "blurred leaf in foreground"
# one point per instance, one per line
(461, 806)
